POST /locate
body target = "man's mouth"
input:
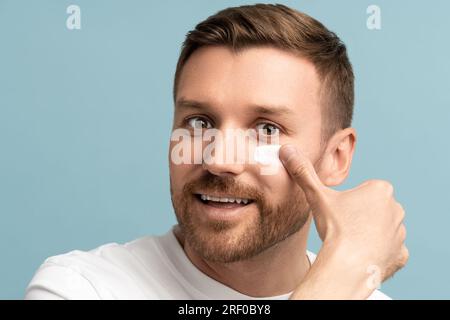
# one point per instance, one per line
(223, 201)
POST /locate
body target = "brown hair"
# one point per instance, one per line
(282, 27)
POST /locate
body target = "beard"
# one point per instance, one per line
(224, 241)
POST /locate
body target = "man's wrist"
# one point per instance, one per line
(337, 273)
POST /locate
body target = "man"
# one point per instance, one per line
(242, 234)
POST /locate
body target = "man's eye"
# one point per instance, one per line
(199, 123)
(268, 129)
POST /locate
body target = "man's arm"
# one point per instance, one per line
(334, 275)
(362, 232)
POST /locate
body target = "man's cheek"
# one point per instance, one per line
(277, 188)
(179, 174)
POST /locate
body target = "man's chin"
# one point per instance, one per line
(222, 241)
(222, 231)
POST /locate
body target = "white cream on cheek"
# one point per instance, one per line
(268, 154)
(272, 178)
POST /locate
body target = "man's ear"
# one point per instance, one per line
(337, 157)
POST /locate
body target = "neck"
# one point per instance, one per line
(276, 271)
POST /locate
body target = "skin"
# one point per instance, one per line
(230, 86)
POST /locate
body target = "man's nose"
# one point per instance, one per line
(224, 169)
(227, 159)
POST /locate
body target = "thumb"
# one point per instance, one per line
(302, 171)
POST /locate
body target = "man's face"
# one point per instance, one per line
(259, 88)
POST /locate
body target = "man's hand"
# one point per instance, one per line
(362, 232)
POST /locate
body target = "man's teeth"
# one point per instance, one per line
(217, 199)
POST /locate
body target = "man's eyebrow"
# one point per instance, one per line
(186, 103)
(269, 110)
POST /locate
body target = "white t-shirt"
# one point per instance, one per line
(151, 267)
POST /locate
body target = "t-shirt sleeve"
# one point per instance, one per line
(55, 282)
(378, 295)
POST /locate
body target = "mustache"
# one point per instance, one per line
(209, 183)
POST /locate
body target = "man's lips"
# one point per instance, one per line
(222, 199)
(223, 206)
(229, 210)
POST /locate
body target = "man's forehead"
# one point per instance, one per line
(267, 79)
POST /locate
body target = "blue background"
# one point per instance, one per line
(85, 119)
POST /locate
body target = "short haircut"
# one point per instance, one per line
(284, 28)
